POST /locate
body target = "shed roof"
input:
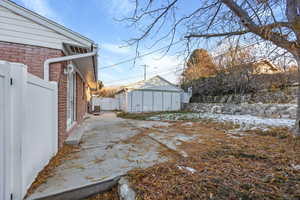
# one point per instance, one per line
(156, 83)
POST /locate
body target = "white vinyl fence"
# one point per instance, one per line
(28, 131)
(105, 103)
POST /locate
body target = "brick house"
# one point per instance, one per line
(51, 52)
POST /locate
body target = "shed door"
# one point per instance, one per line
(157, 101)
(137, 101)
(4, 132)
(147, 101)
(176, 101)
(167, 101)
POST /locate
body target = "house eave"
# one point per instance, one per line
(46, 22)
(86, 66)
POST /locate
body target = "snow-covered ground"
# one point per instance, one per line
(244, 120)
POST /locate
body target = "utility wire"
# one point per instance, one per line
(155, 73)
(157, 50)
(108, 66)
(140, 56)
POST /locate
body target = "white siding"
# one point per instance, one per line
(17, 29)
(129, 101)
(149, 101)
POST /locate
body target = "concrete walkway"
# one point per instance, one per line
(108, 150)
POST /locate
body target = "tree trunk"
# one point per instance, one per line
(297, 124)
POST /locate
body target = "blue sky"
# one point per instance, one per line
(96, 19)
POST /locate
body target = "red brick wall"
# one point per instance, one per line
(31, 56)
(34, 58)
(62, 106)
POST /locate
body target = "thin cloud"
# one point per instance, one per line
(117, 8)
(114, 48)
(41, 7)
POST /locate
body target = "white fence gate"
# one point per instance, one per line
(31, 138)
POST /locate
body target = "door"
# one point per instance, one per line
(158, 101)
(167, 98)
(176, 101)
(147, 101)
(71, 102)
(5, 152)
(137, 101)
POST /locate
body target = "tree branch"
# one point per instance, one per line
(266, 27)
(263, 32)
(216, 34)
(164, 12)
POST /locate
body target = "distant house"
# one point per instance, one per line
(265, 67)
(51, 52)
(152, 95)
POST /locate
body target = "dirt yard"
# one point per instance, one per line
(222, 164)
(186, 158)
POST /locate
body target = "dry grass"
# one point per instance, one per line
(258, 165)
(143, 116)
(109, 195)
(65, 153)
(255, 166)
(280, 133)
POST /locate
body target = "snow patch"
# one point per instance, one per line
(296, 167)
(188, 124)
(246, 121)
(192, 170)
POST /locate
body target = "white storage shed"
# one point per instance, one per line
(153, 95)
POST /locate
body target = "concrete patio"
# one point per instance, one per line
(109, 147)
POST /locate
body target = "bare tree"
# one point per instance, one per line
(275, 21)
(235, 56)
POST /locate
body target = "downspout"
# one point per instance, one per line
(62, 59)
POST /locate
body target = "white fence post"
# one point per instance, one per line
(55, 117)
(19, 77)
(5, 132)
